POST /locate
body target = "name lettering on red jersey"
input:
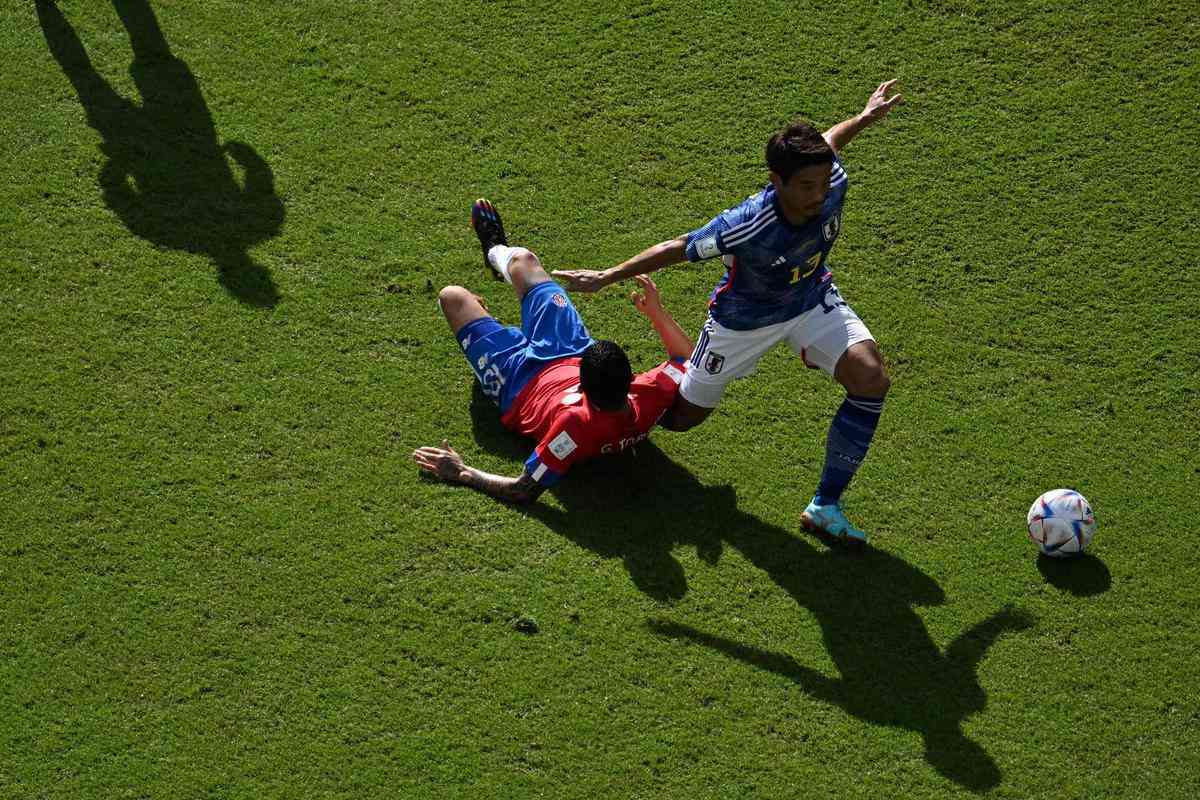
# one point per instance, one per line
(621, 444)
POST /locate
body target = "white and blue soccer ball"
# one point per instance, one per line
(1061, 523)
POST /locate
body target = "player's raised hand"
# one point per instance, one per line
(442, 462)
(879, 103)
(646, 300)
(580, 280)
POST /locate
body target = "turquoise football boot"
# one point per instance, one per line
(829, 523)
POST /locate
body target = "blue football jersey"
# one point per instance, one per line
(773, 270)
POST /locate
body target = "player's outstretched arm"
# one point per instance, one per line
(660, 255)
(649, 303)
(878, 106)
(444, 463)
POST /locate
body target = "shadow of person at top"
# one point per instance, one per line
(641, 506)
(167, 177)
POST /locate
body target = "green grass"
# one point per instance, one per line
(221, 576)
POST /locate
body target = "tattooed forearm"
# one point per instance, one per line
(515, 490)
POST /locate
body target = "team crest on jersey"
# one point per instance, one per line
(831, 227)
(713, 363)
(559, 299)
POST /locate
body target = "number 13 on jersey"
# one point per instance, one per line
(809, 267)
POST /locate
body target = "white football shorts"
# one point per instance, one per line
(818, 336)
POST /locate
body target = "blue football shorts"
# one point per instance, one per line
(504, 358)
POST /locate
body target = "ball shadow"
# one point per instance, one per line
(1082, 576)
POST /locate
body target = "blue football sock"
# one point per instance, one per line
(846, 446)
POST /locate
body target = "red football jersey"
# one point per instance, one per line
(553, 409)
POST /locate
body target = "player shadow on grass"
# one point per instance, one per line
(167, 177)
(640, 507)
(890, 671)
(615, 508)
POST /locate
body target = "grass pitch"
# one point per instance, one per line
(220, 576)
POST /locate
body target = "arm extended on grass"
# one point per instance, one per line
(663, 254)
(878, 106)
(444, 463)
(647, 301)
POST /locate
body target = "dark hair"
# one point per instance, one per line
(605, 375)
(797, 146)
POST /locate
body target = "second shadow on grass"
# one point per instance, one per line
(642, 506)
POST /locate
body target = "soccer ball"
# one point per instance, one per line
(1061, 523)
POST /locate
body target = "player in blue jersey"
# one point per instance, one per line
(777, 287)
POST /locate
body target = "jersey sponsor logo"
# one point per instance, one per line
(482, 362)
(707, 247)
(559, 299)
(713, 363)
(831, 227)
(562, 445)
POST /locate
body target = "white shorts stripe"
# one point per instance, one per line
(701, 342)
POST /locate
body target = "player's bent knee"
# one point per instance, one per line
(680, 425)
(867, 380)
(877, 382)
(523, 259)
(862, 371)
(524, 265)
(452, 298)
(684, 416)
(459, 306)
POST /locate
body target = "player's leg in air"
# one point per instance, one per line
(860, 370)
(504, 357)
(515, 265)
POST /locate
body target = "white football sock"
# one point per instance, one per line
(499, 256)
